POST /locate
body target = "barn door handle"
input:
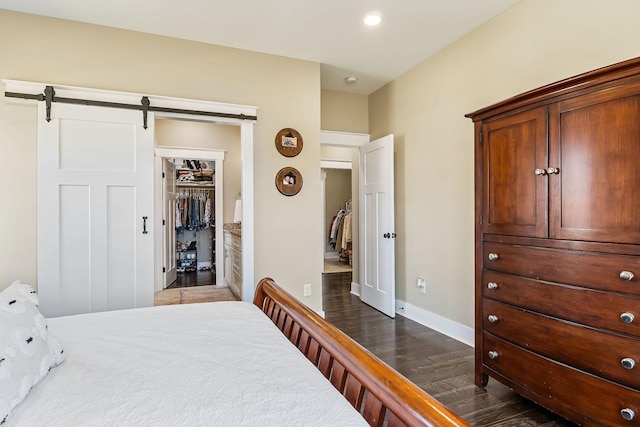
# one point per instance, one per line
(144, 225)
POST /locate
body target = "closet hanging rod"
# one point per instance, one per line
(49, 96)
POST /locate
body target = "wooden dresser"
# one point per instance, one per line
(557, 223)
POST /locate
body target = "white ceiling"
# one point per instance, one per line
(330, 32)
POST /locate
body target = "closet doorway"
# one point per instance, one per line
(339, 195)
(338, 215)
(198, 197)
(340, 158)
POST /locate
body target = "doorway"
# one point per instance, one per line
(338, 215)
(206, 168)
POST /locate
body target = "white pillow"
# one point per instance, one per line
(27, 350)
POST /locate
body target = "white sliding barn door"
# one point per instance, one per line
(377, 233)
(95, 185)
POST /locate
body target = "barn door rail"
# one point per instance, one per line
(49, 97)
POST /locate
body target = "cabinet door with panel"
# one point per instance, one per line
(514, 150)
(594, 143)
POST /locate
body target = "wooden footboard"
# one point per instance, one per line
(378, 392)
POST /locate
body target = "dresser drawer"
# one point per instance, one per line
(592, 308)
(607, 355)
(586, 269)
(565, 390)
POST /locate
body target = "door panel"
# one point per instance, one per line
(169, 183)
(515, 197)
(595, 144)
(376, 222)
(95, 185)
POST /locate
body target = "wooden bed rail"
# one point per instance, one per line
(381, 395)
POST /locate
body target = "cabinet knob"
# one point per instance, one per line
(492, 318)
(493, 256)
(626, 275)
(492, 285)
(540, 171)
(552, 171)
(628, 414)
(627, 317)
(493, 354)
(628, 363)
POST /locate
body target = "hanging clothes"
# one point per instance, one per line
(191, 209)
(337, 236)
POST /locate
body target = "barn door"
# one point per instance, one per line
(95, 210)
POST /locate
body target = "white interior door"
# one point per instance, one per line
(169, 223)
(377, 234)
(95, 209)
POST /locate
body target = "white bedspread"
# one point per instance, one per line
(212, 364)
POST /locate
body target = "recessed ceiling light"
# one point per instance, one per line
(351, 80)
(373, 18)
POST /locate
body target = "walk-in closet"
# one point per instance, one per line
(195, 222)
(337, 223)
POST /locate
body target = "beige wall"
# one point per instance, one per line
(287, 92)
(344, 112)
(207, 135)
(534, 43)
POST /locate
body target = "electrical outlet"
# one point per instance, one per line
(307, 290)
(422, 285)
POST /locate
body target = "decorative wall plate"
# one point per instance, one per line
(289, 181)
(289, 142)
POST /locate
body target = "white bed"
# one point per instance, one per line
(189, 365)
(274, 363)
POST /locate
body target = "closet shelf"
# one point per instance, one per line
(194, 185)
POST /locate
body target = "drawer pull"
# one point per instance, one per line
(626, 275)
(540, 171)
(493, 256)
(492, 285)
(628, 414)
(493, 354)
(552, 171)
(627, 317)
(492, 318)
(628, 363)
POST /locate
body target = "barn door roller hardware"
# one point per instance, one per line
(49, 97)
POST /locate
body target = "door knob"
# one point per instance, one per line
(386, 235)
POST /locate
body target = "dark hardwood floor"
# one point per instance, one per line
(194, 278)
(438, 364)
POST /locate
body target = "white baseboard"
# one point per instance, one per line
(436, 322)
(431, 320)
(355, 289)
